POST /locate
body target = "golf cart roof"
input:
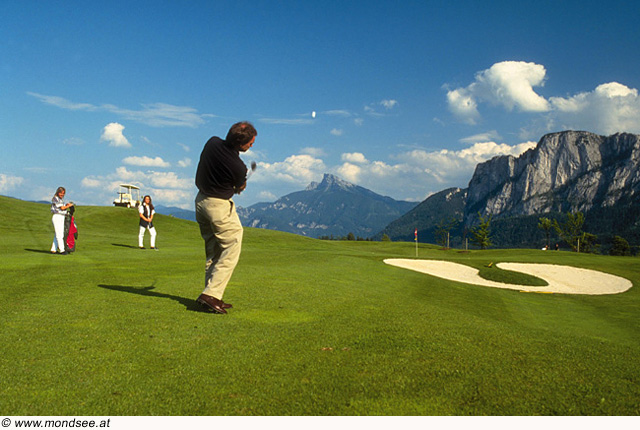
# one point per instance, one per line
(130, 186)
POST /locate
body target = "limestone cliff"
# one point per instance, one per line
(566, 171)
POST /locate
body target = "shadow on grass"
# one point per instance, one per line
(124, 246)
(189, 304)
(41, 251)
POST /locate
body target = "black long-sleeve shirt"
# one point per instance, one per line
(220, 170)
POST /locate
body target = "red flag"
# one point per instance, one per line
(416, 233)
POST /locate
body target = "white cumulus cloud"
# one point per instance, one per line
(163, 187)
(112, 133)
(146, 161)
(608, 109)
(418, 173)
(354, 157)
(463, 105)
(509, 84)
(297, 169)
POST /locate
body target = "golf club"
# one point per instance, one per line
(253, 169)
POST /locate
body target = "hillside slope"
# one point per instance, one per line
(318, 328)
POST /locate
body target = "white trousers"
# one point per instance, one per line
(152, 232)
(58, 237)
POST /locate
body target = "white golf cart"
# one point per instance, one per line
(128, 196)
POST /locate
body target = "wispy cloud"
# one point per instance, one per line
(374, 109)
(73, 141)
(63, 103)
(481, 137)
(9, 182)
(389, 104)
(337, 112)
(314, 152)
(286, 121)
(186, 162)
(153, 114)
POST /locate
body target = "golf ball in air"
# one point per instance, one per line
(313, 114)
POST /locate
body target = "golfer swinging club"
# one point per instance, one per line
(221, 174)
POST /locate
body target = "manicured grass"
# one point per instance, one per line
(317, 328)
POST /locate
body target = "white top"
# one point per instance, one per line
(142, 210)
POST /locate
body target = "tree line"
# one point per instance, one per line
(570, 233)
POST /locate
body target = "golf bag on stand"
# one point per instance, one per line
(70, 231)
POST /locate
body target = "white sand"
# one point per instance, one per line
(561, 279)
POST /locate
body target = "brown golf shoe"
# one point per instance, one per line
(216, 305)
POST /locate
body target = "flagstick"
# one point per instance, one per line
(416, 234)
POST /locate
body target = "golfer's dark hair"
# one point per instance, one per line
(150, 204)
(241, 133)
(58, 190)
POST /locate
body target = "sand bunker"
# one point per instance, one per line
(561, 279)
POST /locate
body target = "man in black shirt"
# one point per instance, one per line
(221, 174)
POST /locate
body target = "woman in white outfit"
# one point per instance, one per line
(146, 222)
(59, 210)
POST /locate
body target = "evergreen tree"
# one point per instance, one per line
(620, 247)
(571, 230)
(481, 235)
(546, 225)
(443, 229)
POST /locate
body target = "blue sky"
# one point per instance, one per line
(409, 96)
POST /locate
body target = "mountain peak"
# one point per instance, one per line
(332, 181)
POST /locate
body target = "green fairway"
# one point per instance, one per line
(317, 328)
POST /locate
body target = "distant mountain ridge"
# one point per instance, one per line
(332, 207)
(176, 212)
(446, 205)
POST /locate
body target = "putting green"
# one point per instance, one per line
(561, 279)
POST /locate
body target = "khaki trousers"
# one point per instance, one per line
(221, 230)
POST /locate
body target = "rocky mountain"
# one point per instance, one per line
(568, 171)
(332, 207)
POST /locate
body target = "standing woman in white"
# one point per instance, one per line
(59, 210)
(146, 222)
